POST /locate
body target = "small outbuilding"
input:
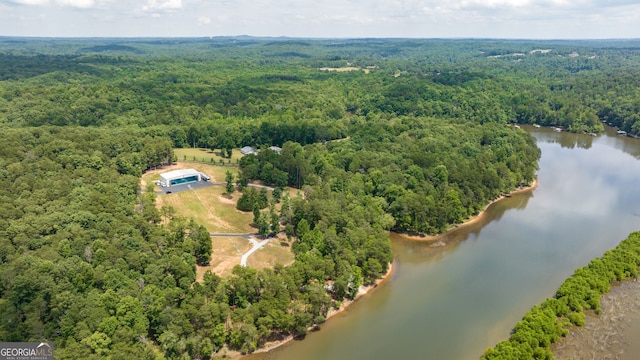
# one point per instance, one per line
(180, 177)
(248, 150)
(275, 149)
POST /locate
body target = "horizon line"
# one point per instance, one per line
(285, 37)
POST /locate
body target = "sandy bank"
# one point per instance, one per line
(363, 290)
(470, 221)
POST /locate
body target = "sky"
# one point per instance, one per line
(508, 19)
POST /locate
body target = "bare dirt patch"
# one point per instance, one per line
(227, 251)
(229, 199)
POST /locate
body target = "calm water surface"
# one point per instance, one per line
(454, 301)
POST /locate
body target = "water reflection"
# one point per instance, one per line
(409, 250)
(453, 299)
(583, 141)
(622, 143)
(564, 139)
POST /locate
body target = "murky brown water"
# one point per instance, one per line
(613, 335)
(452, 300)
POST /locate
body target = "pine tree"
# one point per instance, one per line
(229, 179)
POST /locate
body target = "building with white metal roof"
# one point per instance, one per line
(182, 176)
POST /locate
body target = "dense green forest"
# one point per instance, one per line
(409, 165)
(243, 87)
(415, 137)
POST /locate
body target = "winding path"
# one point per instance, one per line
(256, 244)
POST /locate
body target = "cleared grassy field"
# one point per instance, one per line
(226, 254)
(208, 206)
(217, 212)
(271, 254)
(206, 156)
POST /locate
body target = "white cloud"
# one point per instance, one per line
(77, 3)
(328, 18)
(28, 2)
(163, 5)
(83, 4)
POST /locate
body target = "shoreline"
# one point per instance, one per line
(470, 221)
(363, 290)
(610, 333)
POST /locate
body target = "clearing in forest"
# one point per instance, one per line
(216, 172)
(210, 207)
(206, 156)
(346, 68)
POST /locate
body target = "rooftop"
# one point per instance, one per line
(179, 173)
(248, 150)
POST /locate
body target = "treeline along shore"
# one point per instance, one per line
(552, 319)
(469, 221)
(419, 142)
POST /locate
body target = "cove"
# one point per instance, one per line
(454, 298)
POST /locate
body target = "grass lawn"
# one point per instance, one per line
(217, 212)
(271, 254)
(208, 206)
(227, 252)
(206, 156)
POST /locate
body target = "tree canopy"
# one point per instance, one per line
(409, 135)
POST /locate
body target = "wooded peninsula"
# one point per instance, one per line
(376, 135)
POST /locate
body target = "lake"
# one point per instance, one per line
(453, 299)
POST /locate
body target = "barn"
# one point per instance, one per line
(180, 177)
